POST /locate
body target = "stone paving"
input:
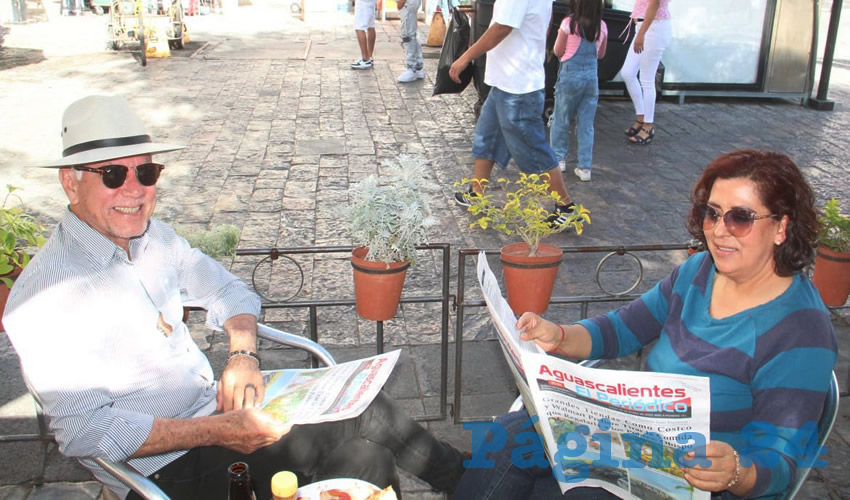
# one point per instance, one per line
(278, 128)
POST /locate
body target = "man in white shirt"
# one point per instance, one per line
(96, 319)
(511, 121)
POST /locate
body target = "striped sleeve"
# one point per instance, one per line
(204, 282)
(627, 329)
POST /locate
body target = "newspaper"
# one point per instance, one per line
(310, 396)
(625, 431)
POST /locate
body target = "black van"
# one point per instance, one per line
(609, 66)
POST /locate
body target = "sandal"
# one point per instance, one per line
(632, 131)
(641, 140)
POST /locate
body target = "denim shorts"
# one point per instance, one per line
(511, 126)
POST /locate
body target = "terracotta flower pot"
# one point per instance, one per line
(832, 276)
(529, 280)
(4, 294)
(377, 285)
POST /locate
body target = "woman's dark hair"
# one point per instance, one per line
(781, 188)
(587, 15)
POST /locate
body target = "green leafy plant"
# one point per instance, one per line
(390, 214)
(20, 233)
(835, 228)
(218, 242)
(525, 212)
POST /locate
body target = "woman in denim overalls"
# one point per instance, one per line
(582, 39)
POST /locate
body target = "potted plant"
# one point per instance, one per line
(530, 266)
(388, 215)
(218, 242)
(20, 233)
(832, 261)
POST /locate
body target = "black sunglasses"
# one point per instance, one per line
(113, 176)
(738, 221)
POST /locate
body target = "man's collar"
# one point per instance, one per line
(100, 248)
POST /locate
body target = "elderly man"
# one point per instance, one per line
(96, 321)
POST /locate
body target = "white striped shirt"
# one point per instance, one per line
(83, 318)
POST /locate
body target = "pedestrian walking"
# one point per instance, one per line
(651, 19)
(510, 124)
(415, 70)
(364, 28)
(582, 40)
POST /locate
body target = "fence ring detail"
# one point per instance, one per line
(620, 253)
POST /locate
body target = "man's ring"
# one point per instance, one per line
(251, 386)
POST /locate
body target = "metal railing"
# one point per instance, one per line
(312, 305)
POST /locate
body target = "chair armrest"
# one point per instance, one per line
(274, 335)
(131, 478)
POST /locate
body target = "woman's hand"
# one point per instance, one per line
(724, 470)
(639, 39)
(545, 333)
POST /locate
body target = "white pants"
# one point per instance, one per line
(364, 14)
(656, 40)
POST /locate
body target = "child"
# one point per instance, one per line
(412, 48)
(364, 27)
(582, 39)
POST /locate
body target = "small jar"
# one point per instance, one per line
(284, 486)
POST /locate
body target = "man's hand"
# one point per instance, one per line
(250, 429)
(400, 4)
(245, 431)
(241, 385)
(457, 68)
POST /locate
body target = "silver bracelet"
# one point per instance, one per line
(737, 470)
(245, 353)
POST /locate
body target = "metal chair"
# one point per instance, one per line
(127, 475)
(827, 419)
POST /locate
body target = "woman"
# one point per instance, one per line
(654, 32)
(743, 314)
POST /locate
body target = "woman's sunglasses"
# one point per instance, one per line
(738, 221)
(113, 176)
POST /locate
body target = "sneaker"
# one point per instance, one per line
(361, 64)
(463, 197)
(411, 75)
(559, 217)
(583, 173)
(563, 165)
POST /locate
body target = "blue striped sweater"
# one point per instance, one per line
(771, 364)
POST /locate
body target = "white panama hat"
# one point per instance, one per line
(99, 128)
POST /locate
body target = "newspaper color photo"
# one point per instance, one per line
(327, 394)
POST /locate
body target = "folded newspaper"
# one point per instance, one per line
(310, 396)
(624, 431)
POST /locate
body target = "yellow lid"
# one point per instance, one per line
(284, 484)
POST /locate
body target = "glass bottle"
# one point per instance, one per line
(240, 482)
(284, 486)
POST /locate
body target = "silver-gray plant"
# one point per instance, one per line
(390, 215)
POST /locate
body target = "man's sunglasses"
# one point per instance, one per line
(738, 221)
(113, 176)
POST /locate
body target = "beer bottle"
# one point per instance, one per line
(240, 482)
(284, 486)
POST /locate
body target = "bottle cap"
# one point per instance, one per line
(284, 484)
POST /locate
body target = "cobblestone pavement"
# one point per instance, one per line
(278, 128)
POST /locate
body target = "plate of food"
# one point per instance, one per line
(344, 489)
